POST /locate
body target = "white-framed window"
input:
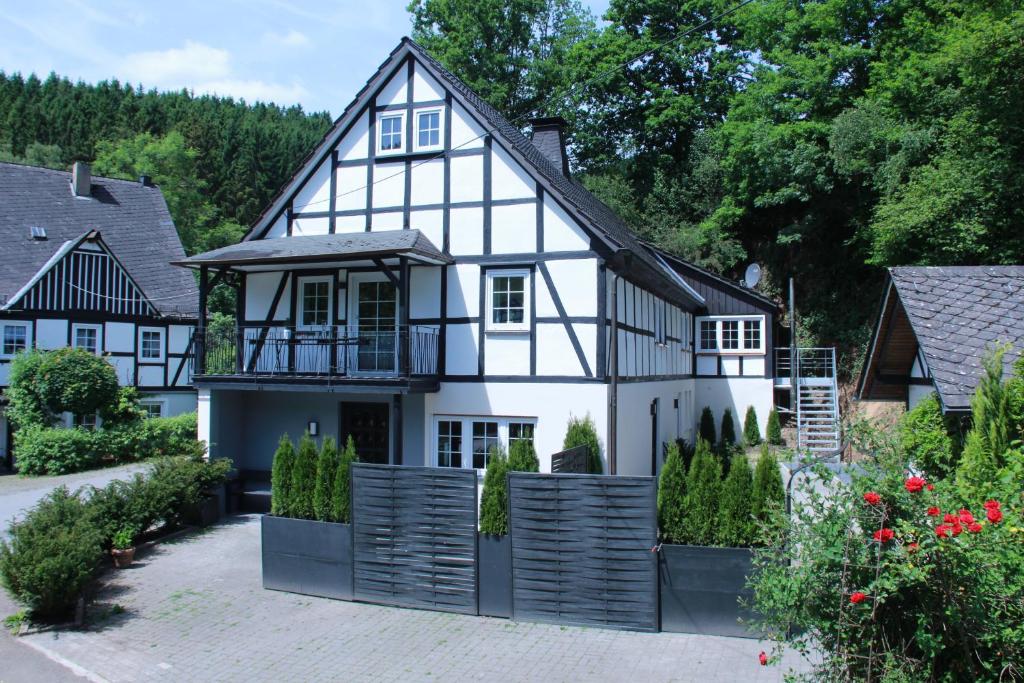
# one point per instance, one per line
(87, 337)
(85, 420)
(465, 441)
(428, 129)
(14, 337)
(743, 334)
(151, 344)
(314, 300)
(508, 300)
(152, 408)
(391, 131)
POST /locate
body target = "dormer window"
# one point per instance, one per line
(428, 129)
(391, 132)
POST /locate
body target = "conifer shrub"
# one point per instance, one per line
(303, 484)
(751, 432)
(686, 451)
(582, 432)
(773, 430)
(706, 430)
(728, 430)
(703, 488)
(281, 478)
(522, 457)
(672, 496)
(735, 526)
(768, 497)
(924, 437)
(494, 499)
(326, 471)
(992, 430)
(341, 498)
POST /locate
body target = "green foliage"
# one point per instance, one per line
(46, 383)
(494, 499)
(50, 450)
(52, 555)
(751, 430)
(992, 430)
(303, 485)
(672, 497)
(703, 490)
(25, 405)
(728, 429)
(326, 471)
(341, 498)
(281, 478)
(125, 410)
(706, 430)
(735, 527)
(124, 539)
(522, 457)
(768, 497)
(774, 429)
(582, 432)
(924, 437)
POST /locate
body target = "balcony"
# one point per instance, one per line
(325, 355)
(814, 365)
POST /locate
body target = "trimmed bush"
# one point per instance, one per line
(494, 499)
(728, 430)
(751, 432)
(672, 497)
(923, 436)
(25, 406)
(52, 557)
(303, 485)
(341, 498)
(49, 450)
(326, 471)
(522, 457)
(281, 478)
(768, 497)
(582, 432)
(773, 431)
(706, 430)
(703, 488)
(734, 528)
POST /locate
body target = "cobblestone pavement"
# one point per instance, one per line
(194, 610)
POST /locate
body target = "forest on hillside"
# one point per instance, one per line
(824, 139)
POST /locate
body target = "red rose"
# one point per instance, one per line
(913, 548)
(933, 511)
(991, 504)
(914, 484)
(872, 498)
(930, 487)
(763, 658)
(974, 528)
(942, 531)
(950, 518)
(884, 535)
(995, 515)
(966, 517)
(858, 597)
(957, 529)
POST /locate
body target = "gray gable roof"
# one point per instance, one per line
(132, 219)
(958, 314)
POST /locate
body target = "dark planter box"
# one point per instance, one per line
(494, 563)
(205, 513)
(308, 557)
(701, 588)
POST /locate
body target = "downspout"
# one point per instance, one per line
(613, 388)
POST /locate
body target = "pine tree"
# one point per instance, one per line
(672, 497)
(728, 430)
(303, 479)
(281, 477)
(707, 426)
(341, 498)
(494, 499)
(768, 498)
(703, 487)
(582, 432)
(735, 527)
(326, 471)
(751, 432)
(774, 429)
(522, 457)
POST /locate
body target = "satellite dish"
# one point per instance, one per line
(752, 276)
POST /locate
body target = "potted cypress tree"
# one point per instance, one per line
(494, 545)
(306, 549)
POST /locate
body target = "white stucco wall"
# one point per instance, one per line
(735, 393)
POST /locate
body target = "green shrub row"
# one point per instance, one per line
(751, 429)
(55, 553)
(308, 483)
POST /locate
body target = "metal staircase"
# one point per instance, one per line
(816, 396)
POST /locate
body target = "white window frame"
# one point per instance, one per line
(467, 434)
(397, 114)
(492, 326)
(3, 334)
(75, 327)
(162, 404)
(741, 321)
(143, 359)
(300, 301)
(416, 129)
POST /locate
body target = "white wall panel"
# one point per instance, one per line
(151, 375)
(735, 393)
(425, 292)
(731, 366)
(259, 294)
(428, 182)
(507, 354)
(125, 369)
(395, 91)
(707, 365)
(315, 191)
(177, 338)
(509, 179)
(466, 133)
(575, 281)
(279, 228)
(391, 220)
(555, 354)
(310, 226)
(388, 185)
(513, 229)
(351, 190)
(587, 336)
(461, 349)
(463, 291)
(119, 337)
(349, 223)
(466, 231)
(424, 87)
(52, 334)
(356, 143)
(560, 231)
(753, 366)
(467, 179)
(431, 224)
(635, 422)
(5, 373)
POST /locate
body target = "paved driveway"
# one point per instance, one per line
(194, 610)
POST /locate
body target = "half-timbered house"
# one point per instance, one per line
(84, 264)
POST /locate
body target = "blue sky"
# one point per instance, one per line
(317, 54)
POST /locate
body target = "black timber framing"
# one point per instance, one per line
(569, 330)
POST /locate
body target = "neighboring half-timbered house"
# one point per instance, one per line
(433, 282)
(84, 264)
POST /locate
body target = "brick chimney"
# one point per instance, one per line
(549, 138)
(81, 179)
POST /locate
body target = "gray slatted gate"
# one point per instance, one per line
(581, 550)
(414, 537)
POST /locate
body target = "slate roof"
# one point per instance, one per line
(958, 314)
(132, 219)
(310, 248)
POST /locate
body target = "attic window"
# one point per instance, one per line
(37, 232)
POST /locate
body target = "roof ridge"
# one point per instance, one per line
(33, 167)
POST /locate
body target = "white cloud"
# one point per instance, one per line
(253, 90)
(292, 38)
(178, 65)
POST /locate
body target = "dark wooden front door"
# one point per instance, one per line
(368, 425)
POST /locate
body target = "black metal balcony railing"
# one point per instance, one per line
(329, 351)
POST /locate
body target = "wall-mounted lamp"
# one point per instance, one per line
(313, 428)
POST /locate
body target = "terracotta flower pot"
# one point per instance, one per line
(123, 556)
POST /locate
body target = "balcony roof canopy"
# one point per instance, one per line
(321, 249)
